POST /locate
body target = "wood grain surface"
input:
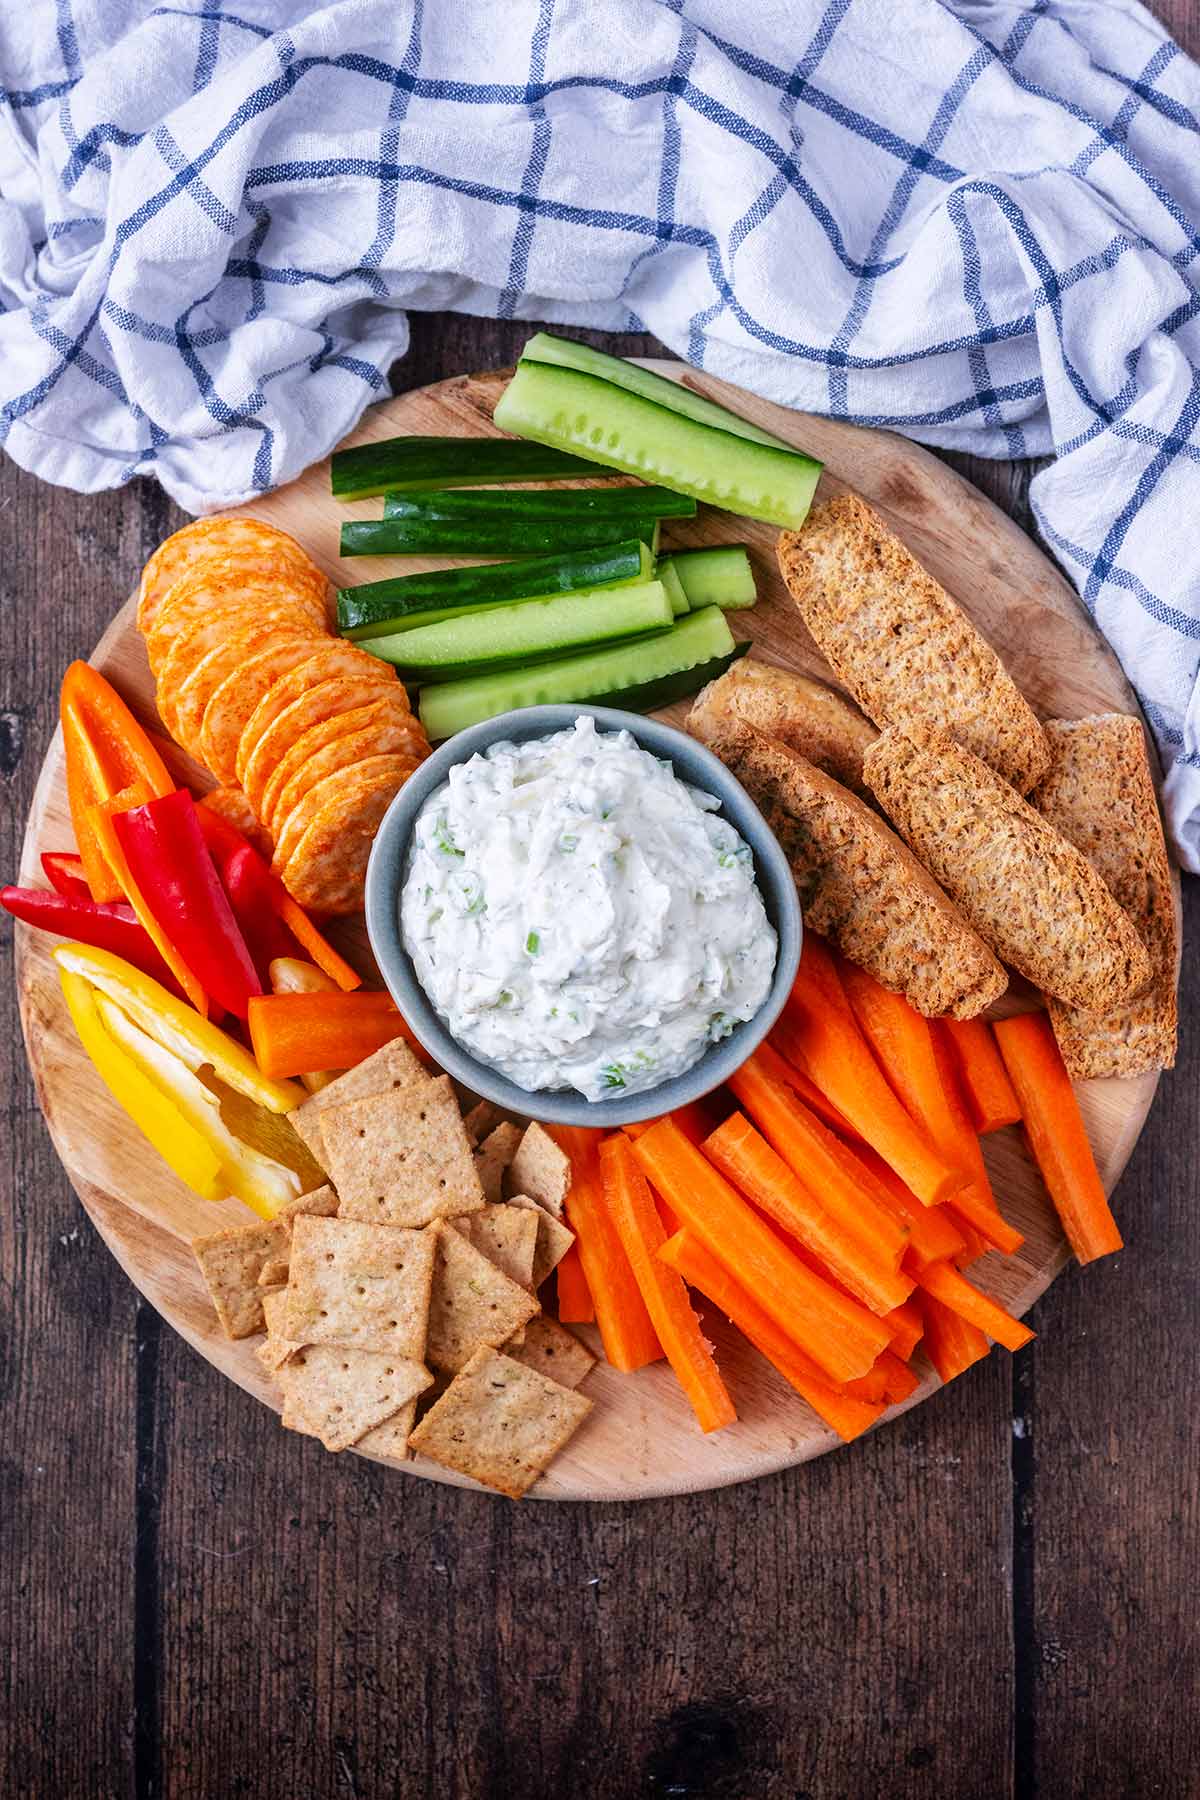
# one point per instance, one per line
(640, 1440)
(991, 1598)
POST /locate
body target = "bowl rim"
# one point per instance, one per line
(565, 1106)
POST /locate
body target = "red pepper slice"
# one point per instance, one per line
(251, 890)
(66, 874)
(104, 925)
(165, 849)
(106, 751)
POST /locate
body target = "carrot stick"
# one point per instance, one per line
(808, 1091)
(973, 1245)
(872, 1385)
(629, 1338)
(953, 1290)
(830, 1226)
(899, 1380)
(574, 1295)
(1056, 1134)
(904, 1323)
(817, 1032)
(975, 1202)
(694, 1120)
(991, 1098)
(841, 1411)
(843, 1337)
(933, 1233)
(640, 1230)
(951, 1343)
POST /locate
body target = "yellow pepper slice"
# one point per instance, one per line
(174, 1025)
(262, 1184)
(177, 1142)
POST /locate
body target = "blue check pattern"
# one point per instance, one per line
(974, 222)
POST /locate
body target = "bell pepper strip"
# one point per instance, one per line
(1056, 1134)
(107, 925)
(159, 1120)
(292, 975)
(165, 853)
(270, 1134)
(172, 1023)
(295, 1033)
(575, 1305)
(952, 1343)
(844, 1414)
(247, 883)
(838, 1333)
(991, 1098)
(260, 1183)
(633, 1212)
(104, 831)
(106, 751)
(955, 1291)
(318, 947)
(66, 874)
(626, 1328)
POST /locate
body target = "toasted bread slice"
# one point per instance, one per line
(860, 886)
(810, 718)
(905, 649)
(1100, 794)
(1027, 891)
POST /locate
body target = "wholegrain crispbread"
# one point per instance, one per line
(231, 1262)
(401, 1158)
(905, 649)
(813, 720)
(500, 1423)
(507, 1236)
(541, 1170)
(1100, 795)
(472, 1303)
(363, 1286)
(554, 1238)
(392, 1069)
(860, 886)
(554, 1351)
(494, 1156)
(1026, 890)
(338, 1395)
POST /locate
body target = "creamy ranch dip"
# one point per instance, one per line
(580, 918)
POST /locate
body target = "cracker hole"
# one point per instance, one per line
(362, 1131)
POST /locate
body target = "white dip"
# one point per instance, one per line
(581, 918)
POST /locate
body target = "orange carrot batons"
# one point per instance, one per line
(991, 1098)
(574, 1295)
(629, 1338)
(951, 1342)
(945, 1283)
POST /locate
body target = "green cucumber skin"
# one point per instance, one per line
(535, 627)
(613, 504)
(648, 696)
(545, 348)
(424, 464)
(429, 677)
(622, 430)
(486, 536)
(721, 577)
(697, 640)
(664, 571)
(378, 607)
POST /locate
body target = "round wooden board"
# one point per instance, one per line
(640, 1439)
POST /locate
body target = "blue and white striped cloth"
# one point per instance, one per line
(976, 222)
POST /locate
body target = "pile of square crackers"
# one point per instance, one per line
(408, 1283)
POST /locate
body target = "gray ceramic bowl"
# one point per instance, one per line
(695, 765)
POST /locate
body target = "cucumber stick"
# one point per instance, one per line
(377, 608)
(572, 411)
(664, 572)
(489, 534)
(420, 464)
(544, 348)
(721, 577)
(599, 674)
(532, 628)
(613, 503)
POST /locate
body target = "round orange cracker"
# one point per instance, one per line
(194, 646)
(328, 867)
(333, 657)
(339, 776)
(220, 587)
(340, 693)
(248, 540)
(190, 700)
(231, 804)
(232, 704)
(399, 733)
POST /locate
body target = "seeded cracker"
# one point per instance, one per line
(393, 1067)
(338, 1395)
(554, 1239)
(494, 1156)
(363, 1286)
(391, 1438)
(541, 1170)
(230, 1262)
(507, 1236)
(482, 1119)
(275, 1352)
(472, 1303)
(321, 1203)
(401, 1158)
(500, 1422)
(553, 1351)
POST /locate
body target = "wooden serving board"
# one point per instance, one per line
(641, 1439)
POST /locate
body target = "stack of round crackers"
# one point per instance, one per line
(311, 736)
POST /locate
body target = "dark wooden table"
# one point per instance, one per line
(994, 1596)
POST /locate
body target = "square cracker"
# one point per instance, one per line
(363, 1286)
(482, 1119)
(278, 1347)
(231, 1262)
(401, 1158)
(337, 1395)
(553, 1351)
(500, 1422)
(321, 1203)
(507, 1236)
(554, 1239)
(391, 1438)
(472, 1303)
(392, 1068)
(541, 1170)
(493, 1157)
